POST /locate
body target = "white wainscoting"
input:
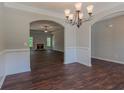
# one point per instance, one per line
(2, 68)
(17, 61)
(78, 54)
(83, 56)
(14, 61)
(70, 55)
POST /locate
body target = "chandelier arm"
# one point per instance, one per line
(74, 19)
(78, 20)
(87, 19)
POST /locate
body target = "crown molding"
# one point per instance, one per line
(23, 7)
(115, 11)
(34, 10)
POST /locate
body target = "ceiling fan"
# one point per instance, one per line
(46, 28)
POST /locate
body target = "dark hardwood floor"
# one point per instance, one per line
(49, 72)
(43, 58)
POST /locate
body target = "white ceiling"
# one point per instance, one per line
(56, 9)
(49, 5)
(61, 6)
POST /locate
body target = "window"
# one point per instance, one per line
(30, 41)
(48, 42)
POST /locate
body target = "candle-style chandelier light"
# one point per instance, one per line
(77, 18)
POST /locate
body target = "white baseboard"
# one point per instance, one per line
(109, 60)
(68, 62)
(2, 80)
(58, 50)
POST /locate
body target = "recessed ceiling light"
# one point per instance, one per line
(45, 31)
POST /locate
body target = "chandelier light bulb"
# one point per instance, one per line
(71, 17)
(81, 15)
(67, 12)
(90, 8)
(78, 6)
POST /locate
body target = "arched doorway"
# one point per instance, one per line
(46, 43)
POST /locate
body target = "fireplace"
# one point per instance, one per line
(40, 46)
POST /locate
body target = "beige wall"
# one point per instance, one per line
(2, 47)
(17, 26)
(83, 35)
(17, 30)
(107, 40)
(58, 40)
(1, 28)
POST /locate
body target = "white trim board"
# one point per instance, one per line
(17, 50)
(2, 80)
(2, 52)
(109, 60)
(58, 50)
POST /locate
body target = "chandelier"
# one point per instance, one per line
(77, 18)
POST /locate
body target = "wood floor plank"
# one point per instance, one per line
(49, 72)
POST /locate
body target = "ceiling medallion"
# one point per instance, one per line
(77, 17)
